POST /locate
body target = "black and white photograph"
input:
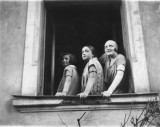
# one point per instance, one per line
(80, 63)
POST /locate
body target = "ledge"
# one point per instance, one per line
(74, 103)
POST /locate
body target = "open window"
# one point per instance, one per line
(72, 25)
(55, 27)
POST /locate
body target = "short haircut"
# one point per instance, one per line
(72, 58)
(116, 48)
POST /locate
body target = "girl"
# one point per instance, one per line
(69, 84)
(114, 69)
(92, 77)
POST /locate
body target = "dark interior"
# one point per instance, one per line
(75, 25)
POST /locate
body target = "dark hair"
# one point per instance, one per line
(72, 58)
(92, 50)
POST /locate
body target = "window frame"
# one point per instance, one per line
(32, 86)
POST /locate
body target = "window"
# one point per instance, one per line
(69, 27)
(53, 27)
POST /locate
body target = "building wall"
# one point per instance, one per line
(12, 22)
(12, 38)
(150, 16)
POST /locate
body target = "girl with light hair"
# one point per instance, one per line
(114, 69)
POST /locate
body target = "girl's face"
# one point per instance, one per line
(65, 61)
(86, 53)
(110, 48)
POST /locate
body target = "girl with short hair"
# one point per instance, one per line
(92, 77)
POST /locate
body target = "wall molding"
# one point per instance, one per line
(74, 103)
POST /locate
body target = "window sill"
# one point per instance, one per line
(74, 103)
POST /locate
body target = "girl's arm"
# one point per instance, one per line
(116, 81)
(66, 85)
(68, 76)
(90, 82)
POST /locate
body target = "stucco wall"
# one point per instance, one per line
(12, 38)
(150, 16)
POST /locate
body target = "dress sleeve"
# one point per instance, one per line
(121, 63)
(92, 71)
(68, 71)
(92, 68)
(121, 60)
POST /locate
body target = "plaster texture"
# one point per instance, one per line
(150, 18)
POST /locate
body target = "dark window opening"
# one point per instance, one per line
(71, 26)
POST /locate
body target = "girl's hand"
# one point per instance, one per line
(64, 93)
(83, 95)
(58, 94)
(106, 93)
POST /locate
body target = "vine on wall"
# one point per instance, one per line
(150, 116)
